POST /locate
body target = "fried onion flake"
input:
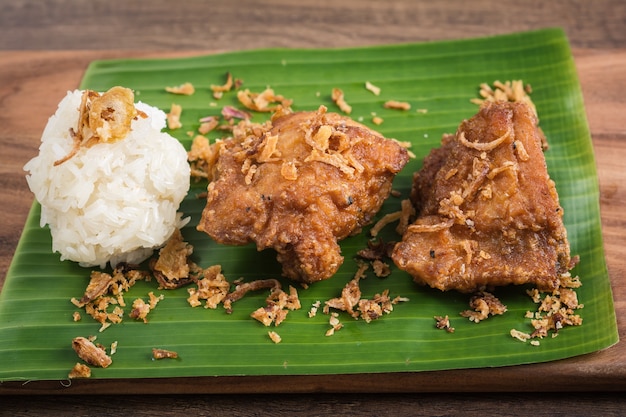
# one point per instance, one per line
(102, 118)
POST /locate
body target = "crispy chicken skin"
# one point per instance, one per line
(488, 214)
(298, 184)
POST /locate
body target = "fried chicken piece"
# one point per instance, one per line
(488, 213)
(298, 184)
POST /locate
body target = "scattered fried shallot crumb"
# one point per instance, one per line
(172, 267)
(360, 272)
(212, 287)
(314, 307)
(202, 157)
(444, 323)
(173, 117)
(483, 304)
(163, 354)
(278, 305)
(366, 309)
(113, 348)
(335, 324)
(141, 308)
(519, 335)
(371, 87)
(338, 98)
(185, 89)
(99, 284)
(76, 316)
(275, 337)
(265, 101)
(403, 217)
(407, 213)
(381, 269)
(376, 249)
(514, 90)
(242, 289)
(105, 290)
(80, 370)
(208, 124)
(90, 353)
(215, 289)
(377, 120)
(219, 90)
(370, 310)
(384, 221)
(230, 112)
(350, 296)
(555, 311)
(397, 105)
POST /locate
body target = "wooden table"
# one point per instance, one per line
(46, 46)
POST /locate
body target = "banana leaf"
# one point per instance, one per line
(438, 79)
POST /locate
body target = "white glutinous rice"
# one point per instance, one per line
(110, 202)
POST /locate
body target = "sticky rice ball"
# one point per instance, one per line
(108, 199)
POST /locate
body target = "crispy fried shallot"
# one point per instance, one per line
(338, 98)
(90, 353)
(212, 287)
(444, 323)
(371, 87)
(173, 117)
(397, 105)
(163, 354)
(265, 101)
(80, 370)
(242, 289)
(102, 118)
(186, 89)
(483, 304)
(141, 308)
(105, 290)
(172, 267)
(219, 90)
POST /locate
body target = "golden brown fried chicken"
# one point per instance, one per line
(298, 184)
(488, 213)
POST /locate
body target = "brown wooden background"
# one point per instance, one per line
(46, 45)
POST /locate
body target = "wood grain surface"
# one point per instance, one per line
(246, 24)
(46, 46)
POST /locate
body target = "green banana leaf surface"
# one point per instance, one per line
(438, 79)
